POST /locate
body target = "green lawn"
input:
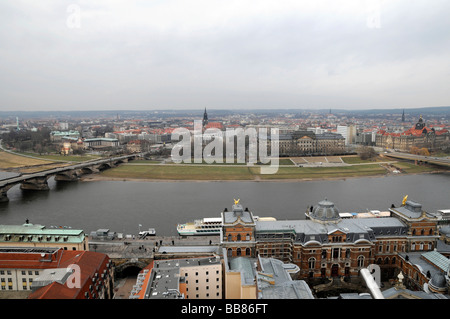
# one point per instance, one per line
(68, 158)
(236, 172)
(357, 160)
(174, 172)
(408, 167)
(323, 172)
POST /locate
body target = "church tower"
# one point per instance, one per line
(403, 116)
(205, 118)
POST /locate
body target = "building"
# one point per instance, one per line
(327, 245)
(100, 143)
(55, 273)
(186, 278)
(205, 118)
(348, 132)
(420, 136)
(428, 271)
(262, 278)
(39, 236)
(300, 143)
(57, 136)
(422, 226)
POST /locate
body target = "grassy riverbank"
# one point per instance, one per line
(237, 172)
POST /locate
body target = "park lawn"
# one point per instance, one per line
(8, 160)
(175, 172)
(65, 158)
(323, 172)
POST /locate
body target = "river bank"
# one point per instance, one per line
(210, 173)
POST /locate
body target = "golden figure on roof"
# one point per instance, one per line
(236, 201)
(404, 200)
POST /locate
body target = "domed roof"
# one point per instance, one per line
(325, 211)
(438, 281)
(445, 230)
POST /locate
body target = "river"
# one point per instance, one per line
(122, 206)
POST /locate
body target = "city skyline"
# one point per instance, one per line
(116, 55)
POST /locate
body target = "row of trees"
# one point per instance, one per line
(25, 140)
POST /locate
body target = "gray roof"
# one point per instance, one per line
(356, 229)
(237, 213)
(411, 209)
(48, 276)
(273, 281)
(325, 211)
(437, 259)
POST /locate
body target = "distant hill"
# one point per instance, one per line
(435, 110)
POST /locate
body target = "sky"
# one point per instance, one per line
(245, 54)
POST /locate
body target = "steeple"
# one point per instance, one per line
(205, 118)
(403, 116)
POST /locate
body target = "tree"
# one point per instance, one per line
(366, 152)
(424, 152)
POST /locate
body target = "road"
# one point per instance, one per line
(444, 161)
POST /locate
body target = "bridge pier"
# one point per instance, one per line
(3, 196)
(37, 183)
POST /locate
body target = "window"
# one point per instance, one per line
(312, 263)
(360, 261)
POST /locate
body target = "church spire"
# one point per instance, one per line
(205, 118)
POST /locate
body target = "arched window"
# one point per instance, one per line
(360, 261)
(386, 261)
(229, 237)
(312, 263)
(248, 252)
(229, 252)
(238, 252)
(239, 237)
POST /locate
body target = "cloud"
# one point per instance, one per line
(154, 54)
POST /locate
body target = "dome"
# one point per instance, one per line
(438, 280)
(325, 211)
(438, 283)
(445, 230)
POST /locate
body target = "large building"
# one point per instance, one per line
(327, 245)
(300, 143)
(39, 236)
(420, 136)
(55, 273)
(184, 278)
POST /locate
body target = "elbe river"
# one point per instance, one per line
(122, 205)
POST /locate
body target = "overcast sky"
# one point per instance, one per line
(161, 54)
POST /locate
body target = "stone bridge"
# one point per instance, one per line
(418, 159)
(38, 181)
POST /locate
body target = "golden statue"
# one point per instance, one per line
(404, 200)
(236, 201)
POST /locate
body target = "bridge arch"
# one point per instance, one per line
(130, 268)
